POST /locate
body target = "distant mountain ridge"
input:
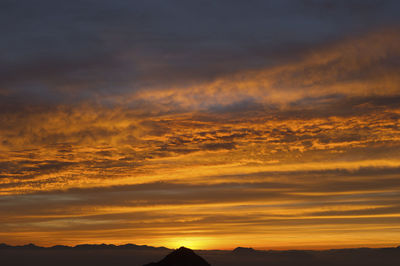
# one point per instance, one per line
(237, 250)
(85, 246)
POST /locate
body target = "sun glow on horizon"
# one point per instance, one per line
(192, 242)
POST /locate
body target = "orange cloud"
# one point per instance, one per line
(308, 148)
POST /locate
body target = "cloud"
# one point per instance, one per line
(162, 119)
(80, 51)
(357, 67)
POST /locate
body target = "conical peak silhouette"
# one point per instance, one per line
(182, 257)
(184, 250)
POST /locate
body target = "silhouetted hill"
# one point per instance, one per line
(242, 250)
(181, 257)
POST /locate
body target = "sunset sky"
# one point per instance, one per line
(209, 124)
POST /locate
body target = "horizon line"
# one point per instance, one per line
(104, 245)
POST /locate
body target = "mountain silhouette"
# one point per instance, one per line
(111, 246)
(87, 247)
(181, 257)
(242, 250)
(28, 246)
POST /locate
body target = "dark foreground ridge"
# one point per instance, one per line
(136, 255)
(181, 257)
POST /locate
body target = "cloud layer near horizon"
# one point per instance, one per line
(165, 134)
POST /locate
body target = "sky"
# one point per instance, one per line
(209, 124)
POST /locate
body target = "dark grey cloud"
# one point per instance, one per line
(64, 49)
